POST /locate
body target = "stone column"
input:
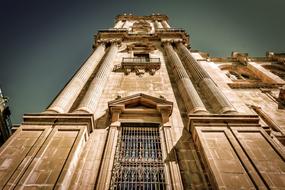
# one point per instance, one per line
(158, 24)
(119, 24)
(68, 95)
(191, 99)
(165, 24)
(208, 88)
(91, 98)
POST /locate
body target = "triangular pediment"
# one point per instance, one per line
(140, 106)
(139, 101)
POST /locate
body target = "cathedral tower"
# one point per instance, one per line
(147, 112)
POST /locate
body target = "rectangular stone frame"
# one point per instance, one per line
(236, 148)
(264, 155)
(32, 168)
(221, 153)
(172, 173)
(19, 151)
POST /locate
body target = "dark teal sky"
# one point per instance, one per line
(42, 43)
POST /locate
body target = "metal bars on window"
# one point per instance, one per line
(138, 159)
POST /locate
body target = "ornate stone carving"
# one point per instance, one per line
(138, 66)
(141, 26)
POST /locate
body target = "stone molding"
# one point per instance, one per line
(138, 66)
(62, 119)
(124, 35)
(153, 107)
(152, 17)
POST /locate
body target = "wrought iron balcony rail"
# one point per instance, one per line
(170, 30)
(115, 30)
(140, 60)
(139, 65)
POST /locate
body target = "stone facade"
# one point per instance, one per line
(5, 122)
(220, 121)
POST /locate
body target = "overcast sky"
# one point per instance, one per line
(43, 42)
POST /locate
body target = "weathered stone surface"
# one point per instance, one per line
(201, 146)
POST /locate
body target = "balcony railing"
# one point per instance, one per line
(139, 65)
(170, 30)
(114, 30)
(140, 60)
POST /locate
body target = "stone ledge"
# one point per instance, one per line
(63, 119)
(218, 120)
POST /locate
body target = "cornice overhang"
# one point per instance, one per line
(158, 17)
(124, 35)
(222, 120)
(60, 119)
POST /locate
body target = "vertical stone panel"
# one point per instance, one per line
(54, 164)
(171, 162)
(18, 152)
(108, 159)
(193, 176)
(224, 164)
(264, 155)
(87, 169)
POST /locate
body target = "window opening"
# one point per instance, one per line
(138, 160)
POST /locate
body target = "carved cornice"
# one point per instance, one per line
(280, 57)
(60, 119)
(125, 35)
(224, 120)
(153, 17)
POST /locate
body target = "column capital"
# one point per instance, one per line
(116, 41)
(99, 43)
(180, 42)
(171, 41)
(165, 42)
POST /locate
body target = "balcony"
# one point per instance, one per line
(170, 30)
(114, 30)
(139, 65)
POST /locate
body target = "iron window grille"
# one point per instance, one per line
(138, 160)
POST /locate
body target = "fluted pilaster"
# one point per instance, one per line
(68, 95)
(91, 98)
(191, 99)
(125, 24)
(165, 24)
(119, 24)
(208, 88)
(157, 24)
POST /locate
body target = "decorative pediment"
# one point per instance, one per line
(141, 104)
(141, 26)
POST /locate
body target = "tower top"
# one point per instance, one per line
(153, 16)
